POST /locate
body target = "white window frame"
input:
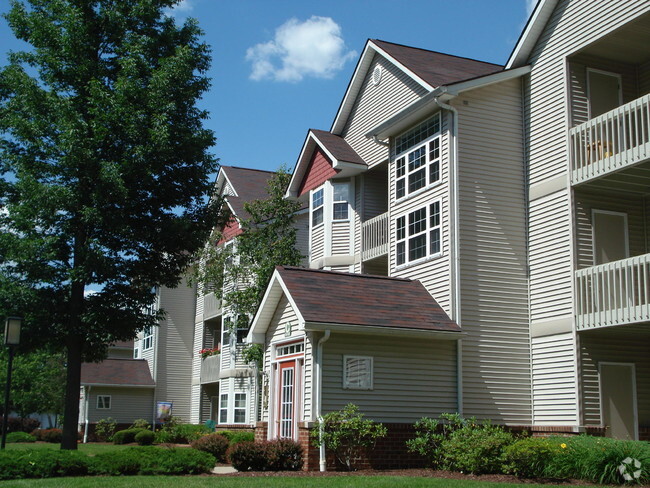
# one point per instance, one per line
(405, 233)
(430, 146)
(314, 208)
(147, 338)
(101, 405)
(235, 408)
(348, 189)
(347, 385)
(223, 408)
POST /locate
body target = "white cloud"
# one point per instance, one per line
(311, 48)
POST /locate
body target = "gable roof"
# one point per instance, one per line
(248, 184)
(352, 302)
(117, 372)
(428, 68)
(344, 159)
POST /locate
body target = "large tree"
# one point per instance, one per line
(105, 168)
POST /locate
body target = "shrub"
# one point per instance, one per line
(27, 463)
(283, 455)
(14, 437)
(174, 432)
(347, 434)
(215, 444)
(429, 434)
(125, 436)
(105, 429)
(475, 448)
(48, 435)
(21, 424)
(248, 456)
(144, 438)
(528, 458)
(238, 437)
(152, 461)
(140, 424)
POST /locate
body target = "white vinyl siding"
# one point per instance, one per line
(412, 378)
(127, 404)
(375, 104)
(317, 243)
(341, 238)
(493, 266)
(554, 380)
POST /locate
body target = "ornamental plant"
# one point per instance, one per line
(206, 353)
(347, 434)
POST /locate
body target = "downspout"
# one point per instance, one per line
(319, 396)
(454, 231)
(87, 398)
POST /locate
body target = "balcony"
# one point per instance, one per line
(615, 293)
(614, 141)
(210, 368)
(211, 306)
(374, 237)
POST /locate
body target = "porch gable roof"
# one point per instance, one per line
(117, 372)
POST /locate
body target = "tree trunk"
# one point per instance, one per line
(72, 389)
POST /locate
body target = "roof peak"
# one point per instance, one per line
(343, 273)
(248, 169)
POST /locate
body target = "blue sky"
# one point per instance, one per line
(282, 67)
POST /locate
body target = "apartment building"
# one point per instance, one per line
(516, 197)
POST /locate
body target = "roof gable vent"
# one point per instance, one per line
(376, 75)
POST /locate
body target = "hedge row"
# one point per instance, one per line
(18, 464)
(217, 444)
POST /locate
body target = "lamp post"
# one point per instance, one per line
(11, 340)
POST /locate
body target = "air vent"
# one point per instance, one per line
(376, 75)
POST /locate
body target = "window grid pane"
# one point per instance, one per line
(401, 228)
(417, 180)
(417, 247)
(341, 211)
(417, 221)
(418, 134)
(400, 188)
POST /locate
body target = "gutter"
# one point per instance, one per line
(319, 397)
(455, 261)
(87, 398)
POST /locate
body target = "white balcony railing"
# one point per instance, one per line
(211, 306)
(374, 237)
(611, 141)
(210, 368)
(615, 293)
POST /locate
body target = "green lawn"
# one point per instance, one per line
(90, 448)
(261, 482)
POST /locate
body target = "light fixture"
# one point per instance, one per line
(12, 331)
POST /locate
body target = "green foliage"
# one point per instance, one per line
(48, 435)
(277, 455)
(528, 457)
(126, 436)
(21, 424)
(144, 438)
(105, 429)
(347, 434)
(596, 459)
(475, 448)
(140, 424)
(41, 464)
(215, 444)
(429, 435)
(14, 437)
(238, 437)
(253, 353)
(104, 171)
(268, 240)
(174, 432)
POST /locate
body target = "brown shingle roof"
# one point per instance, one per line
(121, 372)
(338, 147)
(250, 184)
(364, 300)
(436, 68)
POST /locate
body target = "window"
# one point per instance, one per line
(418, 234)
(103, 402)
(317, 207)
(242, 328)
(240, 408)
(147, 338)
(341, 199)
(223, 409)
(417, 163)
(357, 372)
(136, 353)
(289, 349)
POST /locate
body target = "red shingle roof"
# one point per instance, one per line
(117, 372)
(364, 300)
(436, 68)
(250, 184)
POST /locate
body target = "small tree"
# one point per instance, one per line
(347, 433)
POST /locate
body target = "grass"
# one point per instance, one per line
(261, 482)
(90, 448)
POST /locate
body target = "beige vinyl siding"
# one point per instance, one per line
(284, 314)
(375, 192)
(341, 238)
(620, 346)
(175, 345)
(554, 380)
(550, 257)
(585, 203)
(573, 25)
(434, 273)
(578, 85)
(199, 343)
(359, 203)
(493, 259)
(412, 378)
(317, 243)
(302, 236)
(127, 404)
(377, 103)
